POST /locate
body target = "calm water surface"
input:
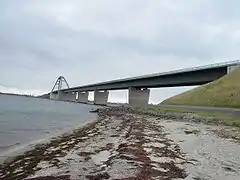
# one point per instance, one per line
(25, 121)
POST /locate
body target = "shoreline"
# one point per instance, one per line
(22, 148)
(120, 138)
(7, 168)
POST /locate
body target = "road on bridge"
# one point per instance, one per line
(232, 111)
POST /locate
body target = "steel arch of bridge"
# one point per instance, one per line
(59, 83)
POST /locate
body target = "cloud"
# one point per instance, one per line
(93, 41)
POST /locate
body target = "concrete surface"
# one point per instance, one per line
(182, 77)
(82, 97)
(138, 97)
(232, 68)
(101, 97)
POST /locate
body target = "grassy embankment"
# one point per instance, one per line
(224, 92)
(211, 117)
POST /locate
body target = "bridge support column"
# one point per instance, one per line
(70, 96)
(54, 96)
(82, 97)
(232, 68)
(138, 97)
(101, 97)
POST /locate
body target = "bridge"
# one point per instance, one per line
(138, 87)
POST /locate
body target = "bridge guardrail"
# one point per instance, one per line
(189, 69)
(215, 65)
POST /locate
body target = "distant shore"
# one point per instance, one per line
(15, 94)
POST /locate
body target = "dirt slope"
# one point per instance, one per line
(224, 92)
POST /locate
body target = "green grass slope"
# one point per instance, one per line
(224, 92)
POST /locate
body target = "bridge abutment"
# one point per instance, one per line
(138, 97)
(82, 97)
(101, 97)
(232, 68)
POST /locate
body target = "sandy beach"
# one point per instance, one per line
(127, 144)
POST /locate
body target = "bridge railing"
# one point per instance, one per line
(215, 65)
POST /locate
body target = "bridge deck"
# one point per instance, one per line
(182, 77)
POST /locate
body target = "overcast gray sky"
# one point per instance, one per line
(93, 41)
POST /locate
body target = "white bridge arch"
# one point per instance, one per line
(57, 93)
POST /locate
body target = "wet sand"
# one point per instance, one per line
(126, 144)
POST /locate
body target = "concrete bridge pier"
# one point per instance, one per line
(82, 97)
(63, 96)
(101, 97)
(138, 97)
(67, 96)
(54, 96)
